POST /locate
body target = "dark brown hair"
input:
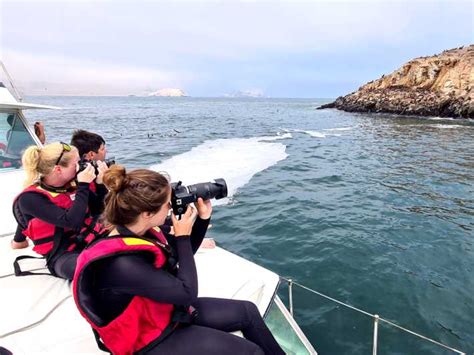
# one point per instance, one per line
(86, 141)
(132, 193)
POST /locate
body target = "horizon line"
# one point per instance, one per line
(187, 96)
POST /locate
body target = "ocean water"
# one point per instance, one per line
(374, 210)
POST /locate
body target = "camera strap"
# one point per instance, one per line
(59, 190)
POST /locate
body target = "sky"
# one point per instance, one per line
(298, 49)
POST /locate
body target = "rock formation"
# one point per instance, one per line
(440, 85)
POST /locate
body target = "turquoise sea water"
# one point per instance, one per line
(374, 210)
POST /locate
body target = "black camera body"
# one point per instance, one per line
(182, 196)
(83, 164)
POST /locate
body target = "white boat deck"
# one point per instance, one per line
(38, 314)
(41, 313)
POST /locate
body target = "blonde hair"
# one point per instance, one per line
(39, 162)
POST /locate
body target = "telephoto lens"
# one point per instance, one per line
(182, 196)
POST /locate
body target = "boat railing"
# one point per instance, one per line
(376, 318)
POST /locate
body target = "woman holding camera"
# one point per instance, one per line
(128, 286)
(56, 213)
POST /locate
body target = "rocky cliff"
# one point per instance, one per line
(440, 85)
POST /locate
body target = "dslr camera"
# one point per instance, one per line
(182, 196)
(83, 164)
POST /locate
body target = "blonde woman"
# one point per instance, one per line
(57, 214)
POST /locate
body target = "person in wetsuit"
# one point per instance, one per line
(137, 286)
(40, 132)
(91, 146)
(52, 209)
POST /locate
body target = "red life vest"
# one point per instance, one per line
(93, 187)
(144, 320)
(42, 233)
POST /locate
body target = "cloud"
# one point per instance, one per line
(146, 30)
(209, 48)
(54, 74)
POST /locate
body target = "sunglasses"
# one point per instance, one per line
(66, 148)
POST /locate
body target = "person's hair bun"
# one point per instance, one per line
(115, 179)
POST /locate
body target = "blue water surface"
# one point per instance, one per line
(374, 210)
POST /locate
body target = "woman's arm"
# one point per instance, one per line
(197, 234)
(39, 206)
(19, 237)
(204, 208)
(199, 229)
(19, 240)
(96, 199)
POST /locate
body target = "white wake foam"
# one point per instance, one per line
(436, 118)
(448, 126)
(327, 132)
(340, 129)
(236, 160)
(277, 137)
(316, 134)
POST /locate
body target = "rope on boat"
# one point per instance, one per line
(13, 274)
(32, 325)
(374, 316)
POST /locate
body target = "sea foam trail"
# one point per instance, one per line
(328, 132)
(448, 126)
(236, 160)
(340, 129)
(317, 134)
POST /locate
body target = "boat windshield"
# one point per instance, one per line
(14, 138)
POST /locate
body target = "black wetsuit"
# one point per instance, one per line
(35, 205)
(118, 279)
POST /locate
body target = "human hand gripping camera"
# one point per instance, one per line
(182, 196)
(99, 167)
(200, 194)
(184, 225)
(90, 171)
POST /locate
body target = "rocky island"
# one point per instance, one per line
(439, 85)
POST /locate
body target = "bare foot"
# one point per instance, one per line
(19, 245)
(208, 243)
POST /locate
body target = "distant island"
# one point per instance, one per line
(256, 93)
(168, 92)
(438, 85)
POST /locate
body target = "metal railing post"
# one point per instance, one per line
(375, 317)
(376, 333)
(290, 295)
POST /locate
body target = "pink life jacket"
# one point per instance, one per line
(93, 186)
(144, 320)
(42, 233)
